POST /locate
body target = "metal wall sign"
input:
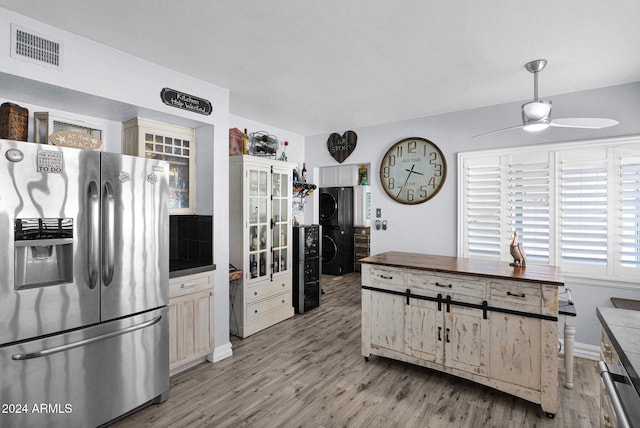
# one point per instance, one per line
(341, 146)
(178, 99)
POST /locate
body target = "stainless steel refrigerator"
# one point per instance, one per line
(84, 257)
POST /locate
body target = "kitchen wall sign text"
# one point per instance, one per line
(178, 99)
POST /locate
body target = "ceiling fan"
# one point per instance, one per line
(536, 114)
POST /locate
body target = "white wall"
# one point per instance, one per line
(101, 82)
(431, 227)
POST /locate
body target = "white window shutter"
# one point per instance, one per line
(482, 209)
(583, 204)
(629, 230)
(529, 204)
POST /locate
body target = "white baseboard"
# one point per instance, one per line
(220, 353)
(584, 350)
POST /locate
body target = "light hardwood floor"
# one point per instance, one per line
(308, 371)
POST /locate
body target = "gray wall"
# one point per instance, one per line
(432, 227)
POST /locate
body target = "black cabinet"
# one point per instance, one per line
(307, 267)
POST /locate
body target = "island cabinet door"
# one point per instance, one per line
(387, 321)
(466, 340)
(425, 331)
(515, 349)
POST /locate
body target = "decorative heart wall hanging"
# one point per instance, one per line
(340, 147)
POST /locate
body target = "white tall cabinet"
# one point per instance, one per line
(259, 242)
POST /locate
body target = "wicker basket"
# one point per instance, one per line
(14, 122)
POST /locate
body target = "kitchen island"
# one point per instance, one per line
(481, 320)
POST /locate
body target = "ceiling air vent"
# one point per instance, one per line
(32, 47)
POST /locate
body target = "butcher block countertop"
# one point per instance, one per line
(474, 267)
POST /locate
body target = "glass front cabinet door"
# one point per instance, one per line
(280, 208)
(174, 144)
(269, 227)
(258, 223)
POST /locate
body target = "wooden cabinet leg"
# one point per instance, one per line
(569, 340)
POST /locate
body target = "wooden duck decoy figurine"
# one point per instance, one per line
(519, 257)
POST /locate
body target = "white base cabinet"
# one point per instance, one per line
(494, 331)
(191, 327)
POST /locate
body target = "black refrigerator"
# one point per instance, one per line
(307, 267)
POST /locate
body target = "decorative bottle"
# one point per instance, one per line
(245, 142)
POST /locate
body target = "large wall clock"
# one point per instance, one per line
(413, 171)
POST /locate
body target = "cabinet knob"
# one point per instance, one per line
(282, 301)
(255, 312)
(255, 293)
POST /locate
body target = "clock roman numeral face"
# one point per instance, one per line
(413, 171)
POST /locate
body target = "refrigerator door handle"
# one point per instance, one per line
(93, 233)
(85, 342)
(108, 212)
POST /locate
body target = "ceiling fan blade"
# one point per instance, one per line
(497, 130)
(584, 122)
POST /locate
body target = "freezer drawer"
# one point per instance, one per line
(86, 377)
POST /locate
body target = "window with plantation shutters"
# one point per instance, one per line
(575, 205)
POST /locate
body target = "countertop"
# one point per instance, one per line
(623, 328)
(178, 267)
(457, 265)
(617, 302)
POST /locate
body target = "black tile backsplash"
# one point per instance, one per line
(190, 240)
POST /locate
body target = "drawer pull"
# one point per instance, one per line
(612, 393)
(520, 295)
(444, 285)
(188, 284)
(386, 277)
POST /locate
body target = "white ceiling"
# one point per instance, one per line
(316, 66)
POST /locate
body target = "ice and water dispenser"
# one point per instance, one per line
(43, 252)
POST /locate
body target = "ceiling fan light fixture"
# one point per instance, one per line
(535, 115)
(536, 110)
(536, 126)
